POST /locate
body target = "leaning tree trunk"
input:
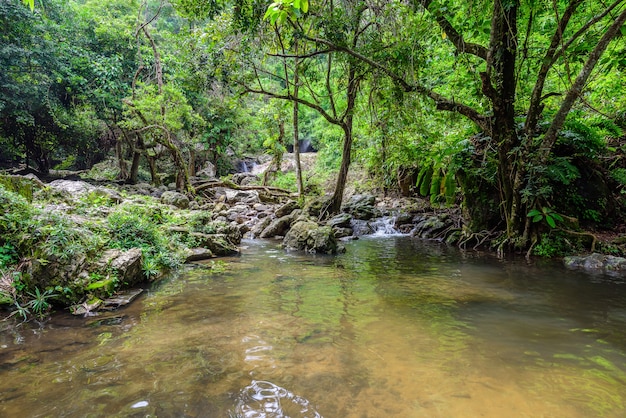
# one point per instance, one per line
(334, 205)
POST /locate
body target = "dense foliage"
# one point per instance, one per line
(513, 109)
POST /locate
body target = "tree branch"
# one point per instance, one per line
(453, 35)
(534, 109)
(576, 90)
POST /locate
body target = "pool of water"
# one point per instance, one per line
(395, 327)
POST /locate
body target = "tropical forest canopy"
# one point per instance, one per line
(515, 109)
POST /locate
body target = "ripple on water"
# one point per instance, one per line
(263, 399)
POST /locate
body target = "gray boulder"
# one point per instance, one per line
(280, 225)
(361, 206)
(78, 189)
(310, 237)
(258, 228)
(125, 264)
(249, 197)
(287, 208)
(175, 199)
(198, 254)
(429, 227)
(340, 221)
(218, 244)
(597, 263)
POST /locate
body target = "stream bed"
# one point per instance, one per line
(395, 327)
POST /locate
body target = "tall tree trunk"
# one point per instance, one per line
(133, 175)
(278, 154)
(334, 205)
(119, 154)
(501, 62)
(296, 134)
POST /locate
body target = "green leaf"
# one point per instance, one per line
(537, 218)
(533, 212)
(305, 7)
(296, 4)
(557, 217)
(550, 221)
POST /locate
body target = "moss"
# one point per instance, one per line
(20, 185)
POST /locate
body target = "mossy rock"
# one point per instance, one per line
(22, 185)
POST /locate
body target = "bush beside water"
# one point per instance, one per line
(50, 249)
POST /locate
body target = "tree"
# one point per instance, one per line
(335, 103)
(498, 99)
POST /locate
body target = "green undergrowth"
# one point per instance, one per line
(50, 248)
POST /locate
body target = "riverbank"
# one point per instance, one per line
(77, 244)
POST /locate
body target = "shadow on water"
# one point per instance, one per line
(395, 327)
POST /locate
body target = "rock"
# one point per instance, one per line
(120, 299)
(403, 219)
(315, 206)
(340, 221)
(218, 244)
(260, 226)
(287, 208)
(310, 237)
(197, 254)
(342, 232)
(279, 226)
(248, 197)
(22, 185)
(175, 199)
(125, 264)
(77, 189)
(244, 178)
(429, 227)
(360, 227)
(597, 263)
(208, 171)
(361, 206)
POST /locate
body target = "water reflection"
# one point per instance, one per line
(266, 400)
(395, 328)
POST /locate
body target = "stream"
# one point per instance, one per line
(395, 327)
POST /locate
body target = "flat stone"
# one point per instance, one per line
(120, 299)
(197, 254)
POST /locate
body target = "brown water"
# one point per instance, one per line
(393, 328)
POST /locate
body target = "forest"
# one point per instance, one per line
(513, 110)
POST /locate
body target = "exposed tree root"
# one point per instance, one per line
(594, 239)
(230, 185)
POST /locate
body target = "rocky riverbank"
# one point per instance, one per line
(72, 243)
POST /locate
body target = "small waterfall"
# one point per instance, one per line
(377, 227)
(246, 166)
(385, 226)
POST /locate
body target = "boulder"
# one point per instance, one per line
(361, 206)
(598, 263)
(208, 171)
(341, 232)
(198, 254)
(310, 237)
(175, 199)
(287, 208)
(22, 185)
(260, 226)
(77, 189)
(218, 244)
(249, 197)
(280, 225)
(340, 221)
(430, 227)
(315, 206)
(127, 265)
(244, 178)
